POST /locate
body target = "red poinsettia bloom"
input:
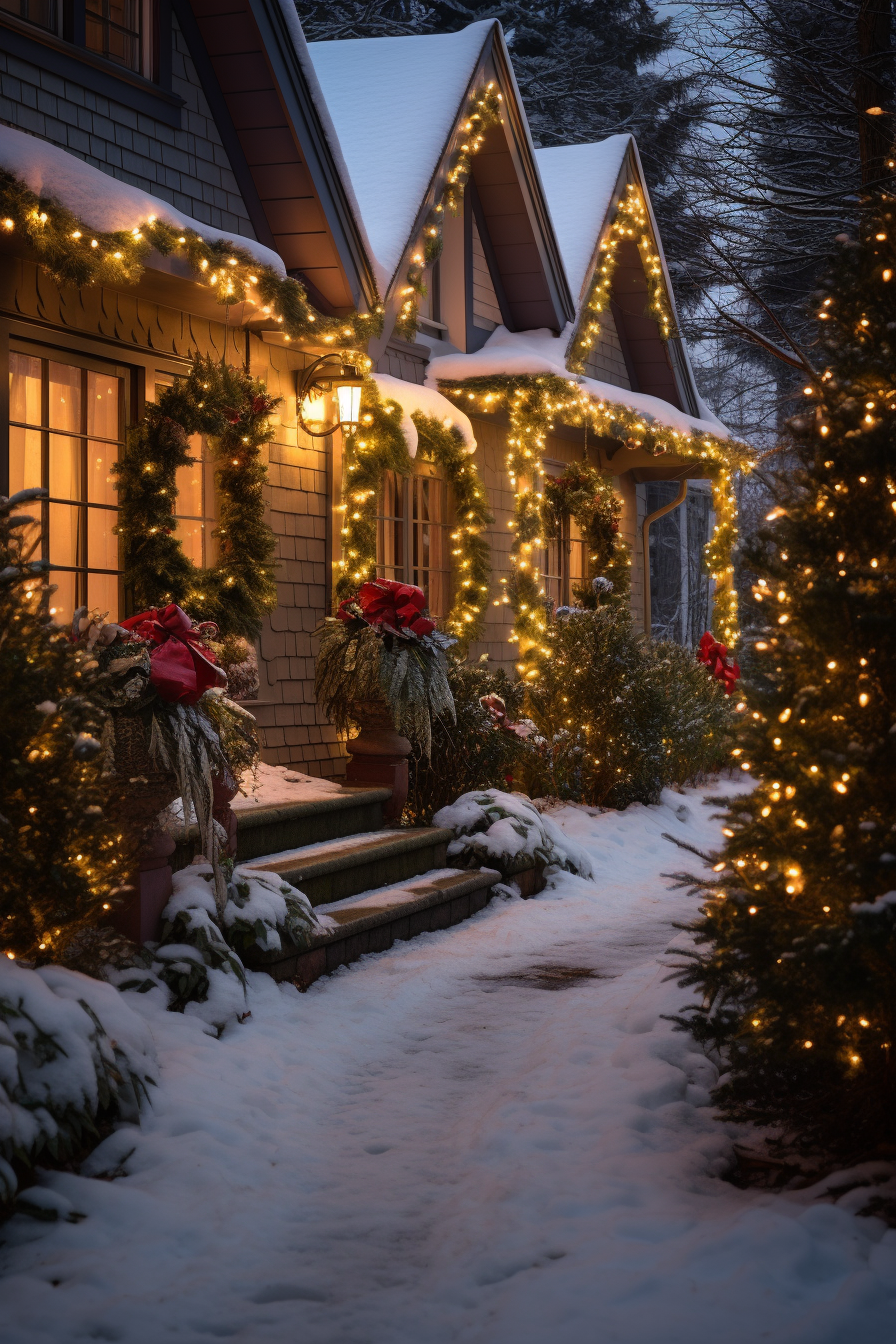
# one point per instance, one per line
(714, 657)
(396, 606)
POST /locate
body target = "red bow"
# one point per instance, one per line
(182, 668)
(397, 606)
(714, 657)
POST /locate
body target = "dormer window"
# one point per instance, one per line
(114, 29)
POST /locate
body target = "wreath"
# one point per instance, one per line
(232, 409)
(586, 495)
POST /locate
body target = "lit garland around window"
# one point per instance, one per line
(442, 442)
(380, 446)
(485, 111)
(534, 402)
(74, 254)
(233, 410)
(631, 221)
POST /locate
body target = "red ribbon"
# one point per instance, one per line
(181, 668)
(714, 657)
(396, 606)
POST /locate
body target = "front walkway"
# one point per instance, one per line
(486, 1135)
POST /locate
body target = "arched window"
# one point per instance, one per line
(414, 533)
(66, 429)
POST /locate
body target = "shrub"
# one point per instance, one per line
(619, 718)
(474, 752)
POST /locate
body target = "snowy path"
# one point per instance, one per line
(421, 1151)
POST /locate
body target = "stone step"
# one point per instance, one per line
(351, 864)
(270, 830)
(373, 920)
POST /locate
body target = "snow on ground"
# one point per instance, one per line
(428, 1147)
(268, 785)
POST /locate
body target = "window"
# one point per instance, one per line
(113, 29)
(680, 587)
(564, 564)
(121, 31)
(413, 534)
(44, 13)
(66, 430)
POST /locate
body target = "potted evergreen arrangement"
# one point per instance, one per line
(381, 670)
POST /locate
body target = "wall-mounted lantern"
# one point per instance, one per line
(316, 382)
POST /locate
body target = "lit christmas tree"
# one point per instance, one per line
(798, 965)
(61, 856)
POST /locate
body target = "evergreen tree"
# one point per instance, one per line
(61, 856)
(798, 970)
(586, 69)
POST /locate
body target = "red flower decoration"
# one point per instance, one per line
(714, 657)
(181, 667)
(397, 607)
(498, 710)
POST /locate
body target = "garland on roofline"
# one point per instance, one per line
(380, 446)
(630, 221)
(74, 254)
(584, 494)
(534, 402)
(485, 111)
(233, 410)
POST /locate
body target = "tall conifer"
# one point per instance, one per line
(798, 966)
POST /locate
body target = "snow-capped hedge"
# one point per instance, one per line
(73, 1059)
(197, 961)
(501, 830)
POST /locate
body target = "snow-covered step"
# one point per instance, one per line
(334, 869)
(328, 812)
(372, 921)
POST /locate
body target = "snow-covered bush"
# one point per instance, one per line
(74, 1058)
(198, 959)
(502, 830)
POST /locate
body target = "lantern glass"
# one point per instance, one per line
(349, 398)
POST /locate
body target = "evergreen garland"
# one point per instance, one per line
(630, 221)
(378, 446)
(533, 402)
(75, 254)
(485, 111)
(232, 409)
(586, 495)
(471, 568)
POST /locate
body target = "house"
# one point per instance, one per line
(338, 164)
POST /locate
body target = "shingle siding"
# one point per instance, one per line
(188, 167)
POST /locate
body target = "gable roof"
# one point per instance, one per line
(579, 182)
(584, 185)
(394, 102)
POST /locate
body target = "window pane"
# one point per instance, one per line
(62, 602)
(41, 12)
(102, 592)
(65, 398)
(65, 468)
(100, 481)
(24, 459)
(102, 406)
(189, 483)
(190, 533)
(66, 531)
(102, 543)
(24, 389)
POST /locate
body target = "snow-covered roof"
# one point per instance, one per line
(427, 400)
(578, 182)
(100, 200)
(394, 103)
(506, 353)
